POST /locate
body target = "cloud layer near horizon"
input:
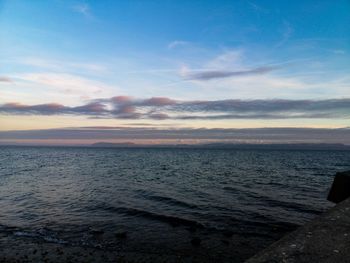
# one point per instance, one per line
(162, 108)
(252, 135)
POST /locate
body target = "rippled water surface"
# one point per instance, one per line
(161, 200)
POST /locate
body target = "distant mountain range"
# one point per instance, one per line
(280, 146)
(108, 144)
(291, 146)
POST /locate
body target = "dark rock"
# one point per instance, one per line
(196, 241)
(97, 232)
(225, 242)
(323, 240)
(228, 233)
(192, 229)
(340, 189)
(122, 234)
(174, 224)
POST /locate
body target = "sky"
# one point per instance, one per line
(166, 68)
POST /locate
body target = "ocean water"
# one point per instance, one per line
(215, 204)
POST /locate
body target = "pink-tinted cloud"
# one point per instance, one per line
(159, 101)
(13, 105)
(18, 108)
(121, 99)
(127, 109)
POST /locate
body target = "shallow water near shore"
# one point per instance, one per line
(217, 204)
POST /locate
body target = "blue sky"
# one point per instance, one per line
(79, 53)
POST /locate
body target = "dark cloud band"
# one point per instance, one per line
(161, 108)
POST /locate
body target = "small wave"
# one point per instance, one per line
(231, 189)
(172, 220)
(261, 225)
(271, 202)
(288, 205)
(171, 201)
(24, 234)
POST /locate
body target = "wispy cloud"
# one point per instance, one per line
(177, 43)
(161, 108)
(5, 79)
(83, 9)
(63, 66)
(227, 59)
(338, 51)
(229, 64)
(68, 83)
(235, 74)
(256, 7)
(287, 32)
(219, 74)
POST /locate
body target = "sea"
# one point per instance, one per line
(177, 204)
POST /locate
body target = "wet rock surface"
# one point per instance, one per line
(325, 239)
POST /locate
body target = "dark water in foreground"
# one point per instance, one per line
(156, 201)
